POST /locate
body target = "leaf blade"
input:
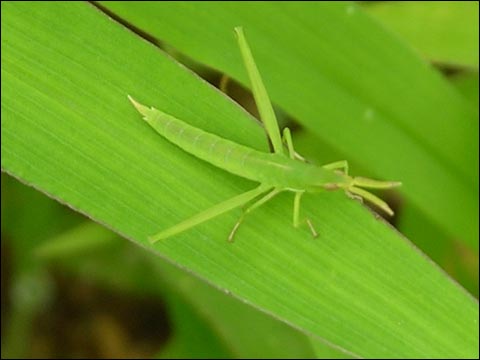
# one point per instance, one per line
(70, 131)
(419, 131)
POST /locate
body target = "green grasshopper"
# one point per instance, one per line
(282, 170)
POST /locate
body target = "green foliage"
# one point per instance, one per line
(69, 131)
(349, 83)
(443, 31)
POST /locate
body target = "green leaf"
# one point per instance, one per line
(69, 130)
(206, 322)
(349, 82)
(467, 84)
(442, 31)
(457, 259)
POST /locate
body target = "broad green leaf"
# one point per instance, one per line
(69, 130)
(458, 260)
(442, 31)
(325, 352)
(349, 82)
(206, 322)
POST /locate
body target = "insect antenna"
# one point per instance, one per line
(375, 200)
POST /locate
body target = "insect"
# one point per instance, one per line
(282, 170)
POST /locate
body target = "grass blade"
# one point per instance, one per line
(69, 130)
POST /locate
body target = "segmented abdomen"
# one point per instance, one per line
(218, 151)
(272, 169)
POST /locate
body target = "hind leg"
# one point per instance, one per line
(252, 207)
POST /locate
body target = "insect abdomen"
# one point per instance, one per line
(273, 169)
(220, 152)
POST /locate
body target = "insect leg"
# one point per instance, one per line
(287, 139)
(296, 214)
(260, 93)
(210, 213)
(342, 164)
(252, 207)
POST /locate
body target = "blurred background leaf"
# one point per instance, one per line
(445, 32)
